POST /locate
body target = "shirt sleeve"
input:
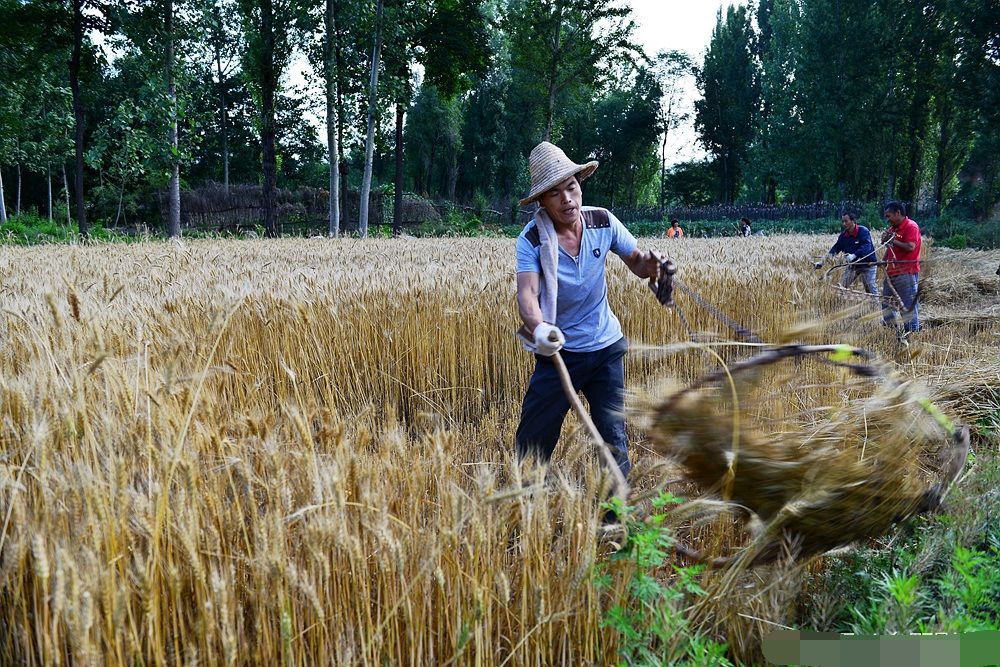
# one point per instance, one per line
(623, 243)
(527, 257)
(909, 234)
(836, 246)
(867, 249)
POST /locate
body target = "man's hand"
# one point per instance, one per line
(662, 282)
(644, 264)
(888, 235)
(651, 260)
(548, 339)
(851, 257)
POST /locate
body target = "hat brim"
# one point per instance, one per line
(581, 171)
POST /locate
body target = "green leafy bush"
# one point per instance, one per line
(32, 229)
(943, 575)
(649, 614)
(955, 242)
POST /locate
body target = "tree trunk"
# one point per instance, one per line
(329, 59)
(69, 220)
(174, 226)
(268, 89)
(941, 165)
(366, 181)
(341, 115)
(631, 185)
(78, 115)
(553, 76)
(453, 176)
(121, 197)
(663, 154)
(17, 201)
(48, 179)
(223, 104)
(430, 169)
(397, 195)
(724, 162)
(3, 207)
(225, 145)
(345, 204)
(663, 174)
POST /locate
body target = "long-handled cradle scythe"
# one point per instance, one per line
(683, 431)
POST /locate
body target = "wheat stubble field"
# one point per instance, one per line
(300, 451)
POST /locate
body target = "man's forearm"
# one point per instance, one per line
(530, 312)
(640, 264)
(908, 246)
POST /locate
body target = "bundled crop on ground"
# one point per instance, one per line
(299, 452)
(823, 479)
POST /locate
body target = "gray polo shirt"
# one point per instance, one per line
(582, 310)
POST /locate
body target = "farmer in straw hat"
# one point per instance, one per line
(562, 297)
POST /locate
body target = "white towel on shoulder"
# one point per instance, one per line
(548, 288)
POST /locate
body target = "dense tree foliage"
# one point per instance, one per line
(729, 86)
(123, 103)
(854, 100)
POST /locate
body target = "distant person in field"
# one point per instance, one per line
(856, 244)
(562, 298)
(674, 231)
(745, 229)
(902, 267)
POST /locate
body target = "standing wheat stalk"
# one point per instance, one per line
(621, 485)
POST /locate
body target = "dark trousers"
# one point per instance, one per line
(906, 285)
(600, 375)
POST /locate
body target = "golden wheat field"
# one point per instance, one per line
(299, 452)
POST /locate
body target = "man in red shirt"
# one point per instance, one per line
(902, 267)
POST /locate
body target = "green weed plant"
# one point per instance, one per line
(648, 613)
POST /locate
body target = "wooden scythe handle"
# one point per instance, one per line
(621, 485)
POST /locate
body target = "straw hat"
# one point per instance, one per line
(549, 167)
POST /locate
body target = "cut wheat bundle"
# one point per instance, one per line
(877, 455)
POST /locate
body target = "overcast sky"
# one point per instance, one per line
(677, 24)
(684, 25)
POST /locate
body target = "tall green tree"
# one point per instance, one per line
(222, 42)
(88, 17)
(493, 146)
(35, 104)
(955, 98)
(433, 137)
(847, 105)
(449, 39)
(174, 188)
(366, 181)
(330, 89)
(773, 55)
(123, 151)
(672, 69)
(563, 44)
(340, 55)
(267, 25)
(913, 50)
(730, 95)
(980, 39)
(628, 125)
